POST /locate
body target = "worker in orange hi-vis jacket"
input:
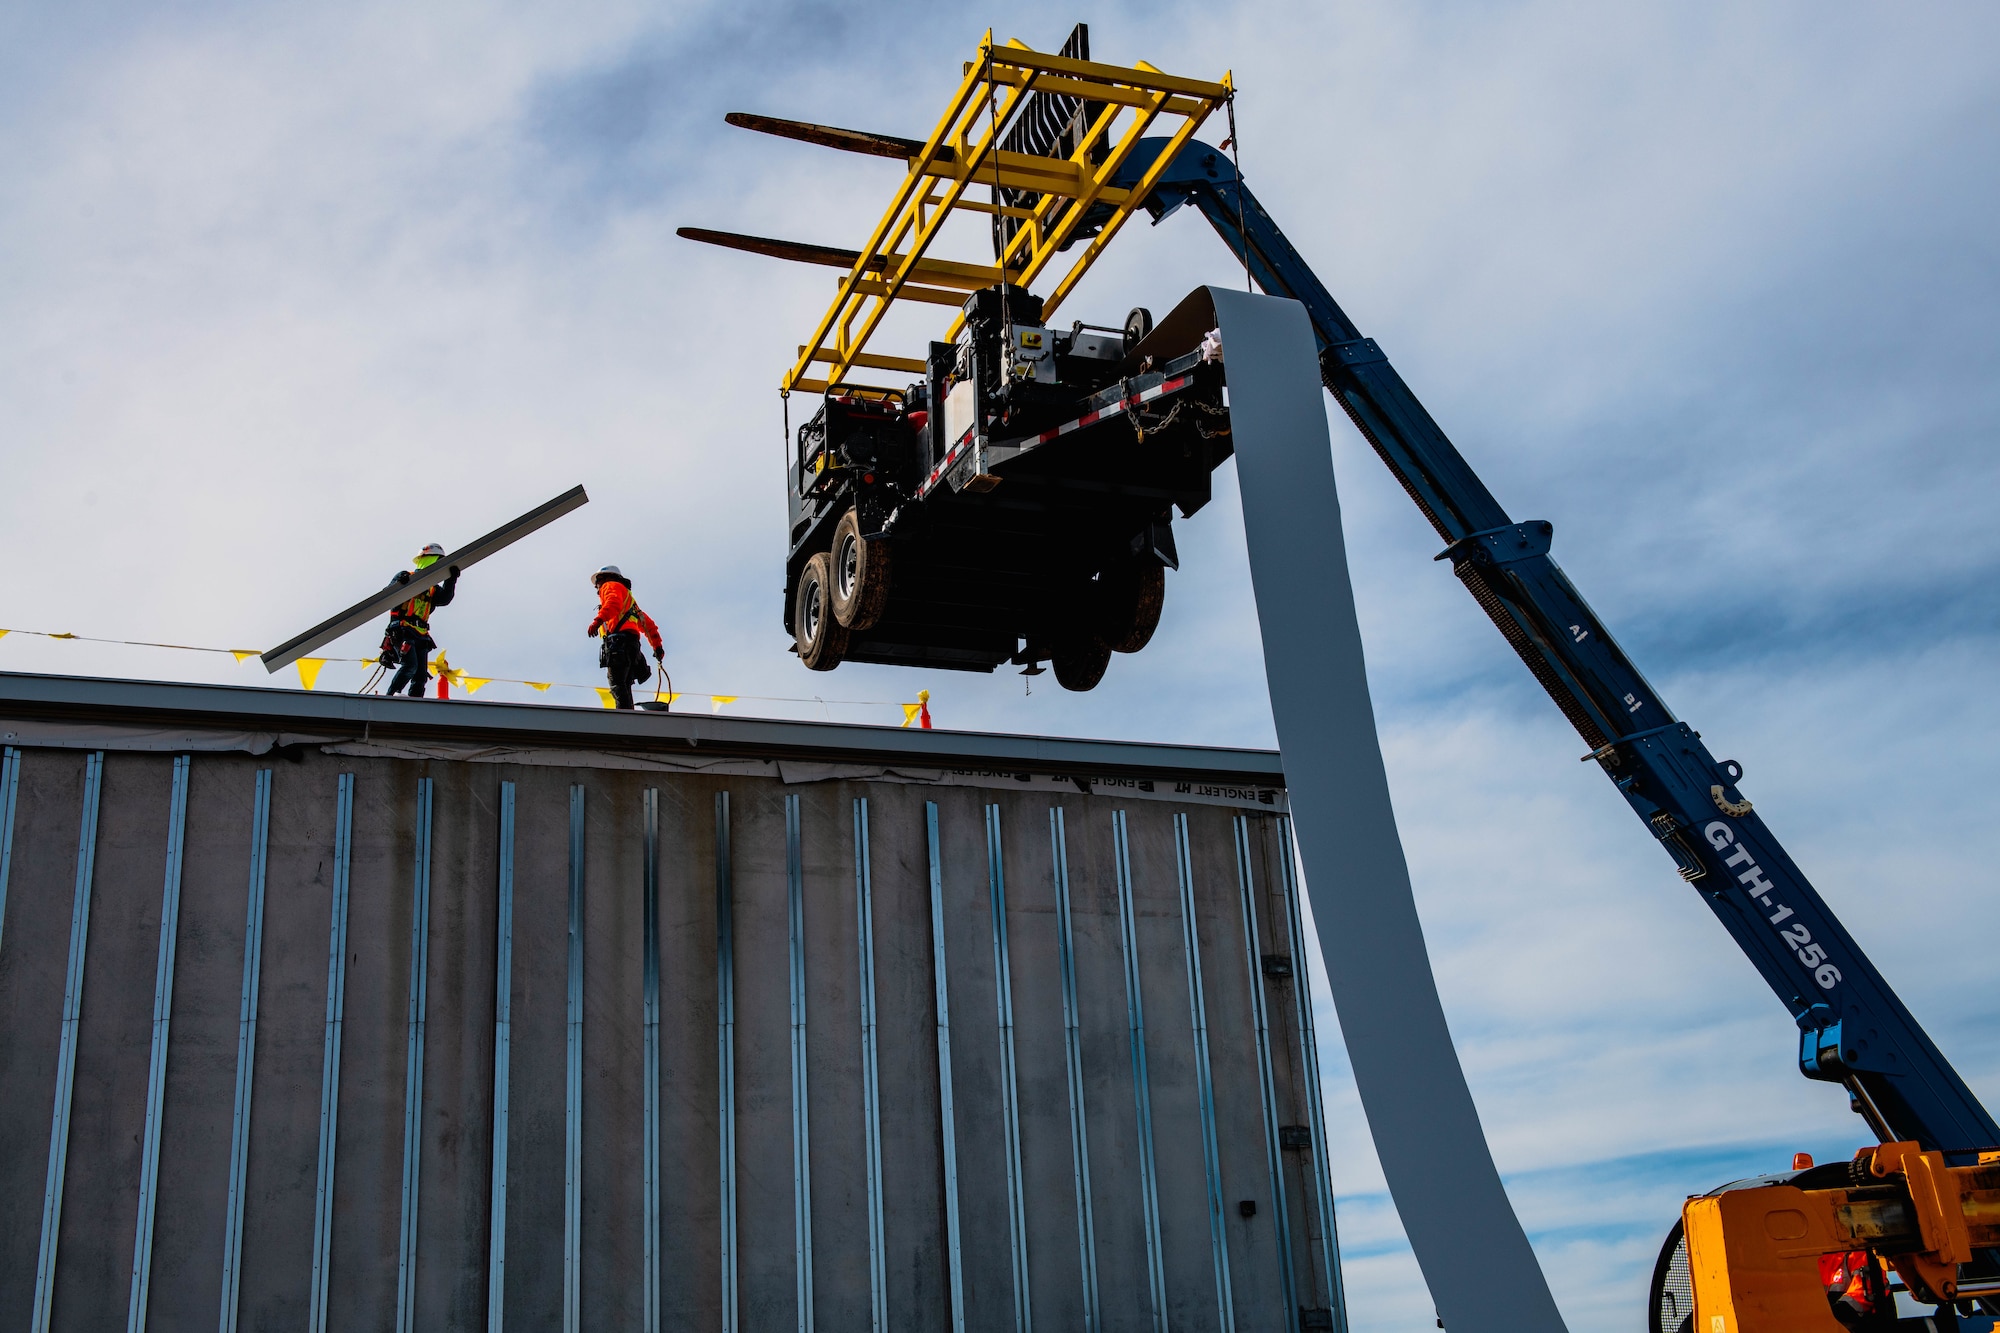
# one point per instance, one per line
(618, 624)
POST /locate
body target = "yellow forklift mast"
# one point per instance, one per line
(1040, 205)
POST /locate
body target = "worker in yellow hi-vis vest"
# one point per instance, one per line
(407, 643)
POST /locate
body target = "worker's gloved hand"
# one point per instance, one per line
(402, 577)
(454, 571)
(659, 654)
(590, 633)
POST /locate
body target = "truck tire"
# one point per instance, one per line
(860, 575)
(1128, 602)
(1079, 663)
(821, 638)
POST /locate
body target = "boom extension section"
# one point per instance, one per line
(1854, 1030)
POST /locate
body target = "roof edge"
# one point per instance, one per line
(100, 699)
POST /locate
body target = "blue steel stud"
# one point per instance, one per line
(503, 1041)
(1322, 1181)
(573, 1079)
(650, 998)
(1010, 1101)
(413, 1062)
(246, 1053)
(329, 1082)
(156, 1069)
(802, 1250)
(948, 1128)
(1218, 1225)
(1135, 1014)
(1274, 1162)
(10, 786)
(79, 941)
(725, 1029)
(1079, 1136)
(871, 1086)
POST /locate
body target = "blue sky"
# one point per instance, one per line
(287, 290)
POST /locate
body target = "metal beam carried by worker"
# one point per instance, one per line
(446, 566)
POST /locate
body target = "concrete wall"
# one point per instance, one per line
(576, 1239)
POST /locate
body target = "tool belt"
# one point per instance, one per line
(401, 638)
(620, 650)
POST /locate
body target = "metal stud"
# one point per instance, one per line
(156, 1067)
(948, 1128)
(1135, 1016)
(72, 1011)
(1218, 1233)
(329, 1081)
(1079, 1137)
(503, 1041)
(413, 1064)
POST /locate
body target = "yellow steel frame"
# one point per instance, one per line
(895, 264)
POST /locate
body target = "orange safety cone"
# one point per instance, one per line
(444, 677)
(924, 709)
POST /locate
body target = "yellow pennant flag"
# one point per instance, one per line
(610, 700)
(471, 683)
(670, 698)
(541, 686)
(5, 632)
(62, 636)
(715, 701)
(910, 712)
(309, 670)
(243, 655)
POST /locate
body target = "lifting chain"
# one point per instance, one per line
(1142, 426)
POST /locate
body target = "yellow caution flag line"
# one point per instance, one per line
(309, 669)
(240, 654)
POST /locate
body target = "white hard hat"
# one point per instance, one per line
(432, 549)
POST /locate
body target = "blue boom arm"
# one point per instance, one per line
(1854, 1030)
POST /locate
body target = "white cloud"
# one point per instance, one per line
(288, 291)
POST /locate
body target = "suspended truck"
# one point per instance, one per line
(1819, 1247)
(1014, 504)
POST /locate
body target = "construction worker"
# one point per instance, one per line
(407, 643)
(620, 622)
